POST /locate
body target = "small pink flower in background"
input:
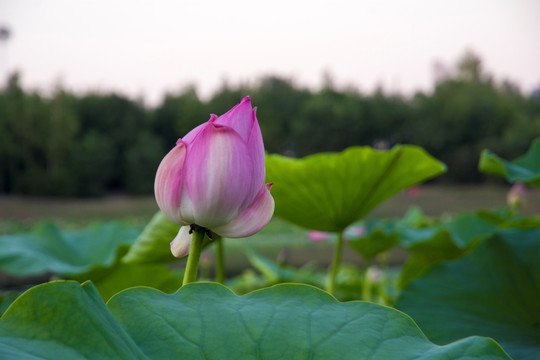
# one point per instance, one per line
(350, 233)
(374, 274)
(355, 232)
(413, 192)
(516, 195)
(214, 178)
(318, 236)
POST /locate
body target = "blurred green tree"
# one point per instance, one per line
(95, 143)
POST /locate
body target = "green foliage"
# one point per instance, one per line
(474, 274)
(332, 120)
(208, 320)
(494, 291)
(111, 280)
(94, 253)
(526, 168)
(91, 144)
(328, 192)
(46, 249)
(432, 241)
(6, 299)
(381, 235)
(93, 164)
(352, 282)
(178, 114)
(35, 138)
(275, 273)
(279, 103)
(152, 245)
(449, 240)
(141, 162)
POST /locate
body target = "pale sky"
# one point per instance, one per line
(144, 48)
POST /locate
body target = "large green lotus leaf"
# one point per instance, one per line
(494, 291)
(153, 243)
(438, 247)
(446, 241)
(48, 249)
(330, 191)
(467, 229)
(525, 168)
(64, 320)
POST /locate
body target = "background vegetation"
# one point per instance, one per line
(92, 144)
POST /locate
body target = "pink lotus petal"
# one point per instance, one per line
(256, 150)
(182, 242)
(218, 175)
(168, 182)
(186, 212)
(252, 219)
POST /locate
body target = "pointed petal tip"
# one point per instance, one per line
(244, 104)
(213, 117)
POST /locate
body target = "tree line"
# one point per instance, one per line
(95, 143)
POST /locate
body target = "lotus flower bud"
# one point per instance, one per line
(214, 178)
(516, 195)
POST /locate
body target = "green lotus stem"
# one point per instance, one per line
(335, 264)
(220, 260)
(190, 275)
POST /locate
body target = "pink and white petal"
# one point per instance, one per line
(252, 219)
(186, 213)
(169, 181)
(239, 118)
(182, 242)
(256, 150)
(218, 173)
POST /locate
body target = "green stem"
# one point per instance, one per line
(335, 264)
(220, 260)
(190, 275)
